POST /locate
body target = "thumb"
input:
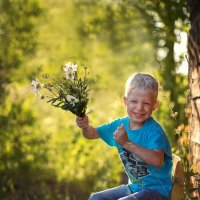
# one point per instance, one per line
(121, 126)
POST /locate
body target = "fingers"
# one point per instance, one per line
(85, 118)
(120, 135)
(120, 129)
(82, 122)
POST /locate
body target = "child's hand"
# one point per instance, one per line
(82, 122)
(120, 135)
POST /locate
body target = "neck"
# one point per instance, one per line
(135, 126)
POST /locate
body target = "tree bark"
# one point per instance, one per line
(194, 82)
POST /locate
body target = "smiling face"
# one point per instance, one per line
(140, 104)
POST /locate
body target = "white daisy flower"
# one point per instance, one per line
(69, 75)
(70, 69)
(71, 99)
(36, 86)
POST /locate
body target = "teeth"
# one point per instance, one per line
(139, 115)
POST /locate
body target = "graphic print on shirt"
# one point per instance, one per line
(134, 167)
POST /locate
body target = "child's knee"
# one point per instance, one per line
(95, 196)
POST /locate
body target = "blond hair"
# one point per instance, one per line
(142, 81)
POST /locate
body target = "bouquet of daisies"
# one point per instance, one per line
(69, 93)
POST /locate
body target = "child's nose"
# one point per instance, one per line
(140, 106)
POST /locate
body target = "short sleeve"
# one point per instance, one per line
(106, 131)
(159, 140)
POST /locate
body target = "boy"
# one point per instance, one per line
(141, 142)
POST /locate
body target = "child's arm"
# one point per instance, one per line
(151, 157)
(88, 130)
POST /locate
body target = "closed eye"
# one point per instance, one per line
(134, 101)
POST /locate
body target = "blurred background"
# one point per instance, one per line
(42, 152)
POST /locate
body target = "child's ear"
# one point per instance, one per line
(125, 100)
(156, 105)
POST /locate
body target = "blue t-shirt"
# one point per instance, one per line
(150, 136)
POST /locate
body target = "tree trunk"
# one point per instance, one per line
(194, 82)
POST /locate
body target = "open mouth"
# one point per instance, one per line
(138, 115)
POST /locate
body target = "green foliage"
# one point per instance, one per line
(43, 155)
(21, 156)
(16, 36)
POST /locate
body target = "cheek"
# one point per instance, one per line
(130, 107)
(150, 109)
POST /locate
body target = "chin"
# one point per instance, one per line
(139, 121)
